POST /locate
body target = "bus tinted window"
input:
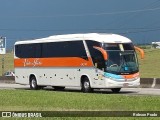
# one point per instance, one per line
(96, 55)
(51, 49)
(111, 46)
(128, 46)
(116, 46)
(28, 50)
(63, 49)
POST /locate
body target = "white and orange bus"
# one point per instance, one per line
(90, 61)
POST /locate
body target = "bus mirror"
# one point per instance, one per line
(141, 51)
(104, 53)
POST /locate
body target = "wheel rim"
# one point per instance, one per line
(33, 83)
(86, 85)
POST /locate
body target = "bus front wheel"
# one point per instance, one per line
(33, 83)
(86, 88)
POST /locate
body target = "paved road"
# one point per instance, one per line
(127, 91)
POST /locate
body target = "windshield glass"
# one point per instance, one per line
(122, 59)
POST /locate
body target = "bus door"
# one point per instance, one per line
(99, 57)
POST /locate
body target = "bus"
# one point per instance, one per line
(88, 61)
(156, 45)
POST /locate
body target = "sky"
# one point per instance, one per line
(138, 20)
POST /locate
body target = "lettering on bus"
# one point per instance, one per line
(33, 62)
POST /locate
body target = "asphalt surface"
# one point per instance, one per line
(126, 91)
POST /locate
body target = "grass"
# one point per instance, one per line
(44, 100)
(150, 65)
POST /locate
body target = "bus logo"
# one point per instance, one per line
(33, 63)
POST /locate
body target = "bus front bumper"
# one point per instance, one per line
(109, 83)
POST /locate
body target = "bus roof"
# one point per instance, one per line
(99, 37)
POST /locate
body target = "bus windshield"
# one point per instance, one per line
(122, 59)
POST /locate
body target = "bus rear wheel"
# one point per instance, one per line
(33, 83)
(86, 88)
(116, 90)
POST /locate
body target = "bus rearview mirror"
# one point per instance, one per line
(104, 53)
(140, 50)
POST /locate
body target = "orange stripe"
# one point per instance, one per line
(131, 76)
(53, 62)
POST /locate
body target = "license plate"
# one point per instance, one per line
(125, 85)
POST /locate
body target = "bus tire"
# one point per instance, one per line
(33, 83)
(116, 90)
(86, 87)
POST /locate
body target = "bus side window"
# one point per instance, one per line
(96, 55)
(63, 49)
(28, 50)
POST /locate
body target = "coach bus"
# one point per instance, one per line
(90, 61)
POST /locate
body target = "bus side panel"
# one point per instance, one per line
(71, 77)
(51, 76)
(21, 76)
(65, 76)
(68, 77)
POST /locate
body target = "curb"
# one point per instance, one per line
(146, 82)
(9, 79)
(150, 83)
(157, 85)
